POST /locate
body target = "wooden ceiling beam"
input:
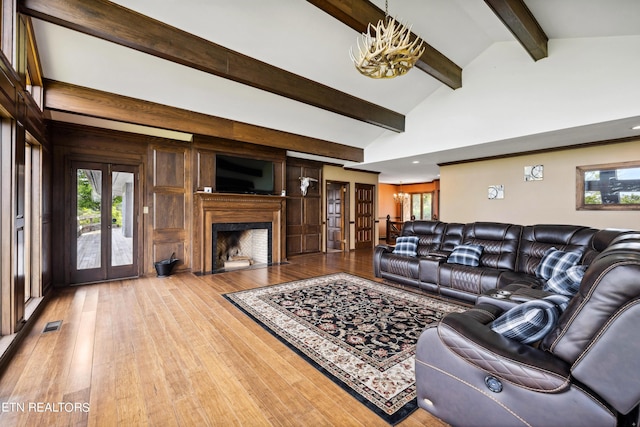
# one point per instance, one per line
(84, 101)
(117, 24)
(357, 14)
(517, 17)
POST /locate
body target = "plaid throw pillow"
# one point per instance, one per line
(555, 262)
(466, 255)
(531, 321)
(406, 245)
(567, 282)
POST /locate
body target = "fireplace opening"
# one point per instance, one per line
(241, 245)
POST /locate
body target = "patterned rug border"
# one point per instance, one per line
(392, 419)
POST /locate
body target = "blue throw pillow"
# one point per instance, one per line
(406, 245)
(567, 282)
(466, 255)
(555, 262)
(531, 321)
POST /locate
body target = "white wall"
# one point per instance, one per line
(507, 95)
(463, 189)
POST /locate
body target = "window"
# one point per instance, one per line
(31, 62)
(21, 176)
(422, 205)
(614, 186)
(33, 225)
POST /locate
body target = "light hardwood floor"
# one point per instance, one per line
(172, 351)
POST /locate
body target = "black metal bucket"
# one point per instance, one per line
(164, 267)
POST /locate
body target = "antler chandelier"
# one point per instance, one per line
(386, 50)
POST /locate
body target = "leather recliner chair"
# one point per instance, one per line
(586, 371)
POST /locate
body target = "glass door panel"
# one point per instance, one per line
(88, 219)
(122, 219)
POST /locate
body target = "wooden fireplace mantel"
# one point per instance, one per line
(210, 208)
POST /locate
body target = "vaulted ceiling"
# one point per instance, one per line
(498, 76)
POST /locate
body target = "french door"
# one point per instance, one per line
(104, 236)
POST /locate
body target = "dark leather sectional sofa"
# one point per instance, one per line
(585, 370)
(510, 255)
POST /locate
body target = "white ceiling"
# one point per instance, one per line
(585, 90)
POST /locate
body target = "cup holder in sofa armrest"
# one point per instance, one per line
(527, 294)
(499, 300)
(439, 253)
(511, 296)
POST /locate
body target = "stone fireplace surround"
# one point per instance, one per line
(217, 208)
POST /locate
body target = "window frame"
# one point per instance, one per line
(421, 194)
(581, 171)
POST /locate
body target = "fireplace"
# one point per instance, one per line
(237, 245)
(235, 212)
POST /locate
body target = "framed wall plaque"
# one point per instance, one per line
(534, 173)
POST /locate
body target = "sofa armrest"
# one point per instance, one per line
(380, 250)
(509, 278)
(383, 247)
(429, 266)
(471, 338)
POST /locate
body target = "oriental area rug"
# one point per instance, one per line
(360, 333)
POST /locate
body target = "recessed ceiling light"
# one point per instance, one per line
(636, 127)
(416, 162)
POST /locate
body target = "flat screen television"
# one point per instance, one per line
(244, 175)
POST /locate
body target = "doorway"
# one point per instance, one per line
(104, 235)
(365, 194)
(337, 209)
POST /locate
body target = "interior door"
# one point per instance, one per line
(335, 217)
(105, 233)
(364, 215)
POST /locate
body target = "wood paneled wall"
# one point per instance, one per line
(170, 173)
(304, 213)
(169, 202)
